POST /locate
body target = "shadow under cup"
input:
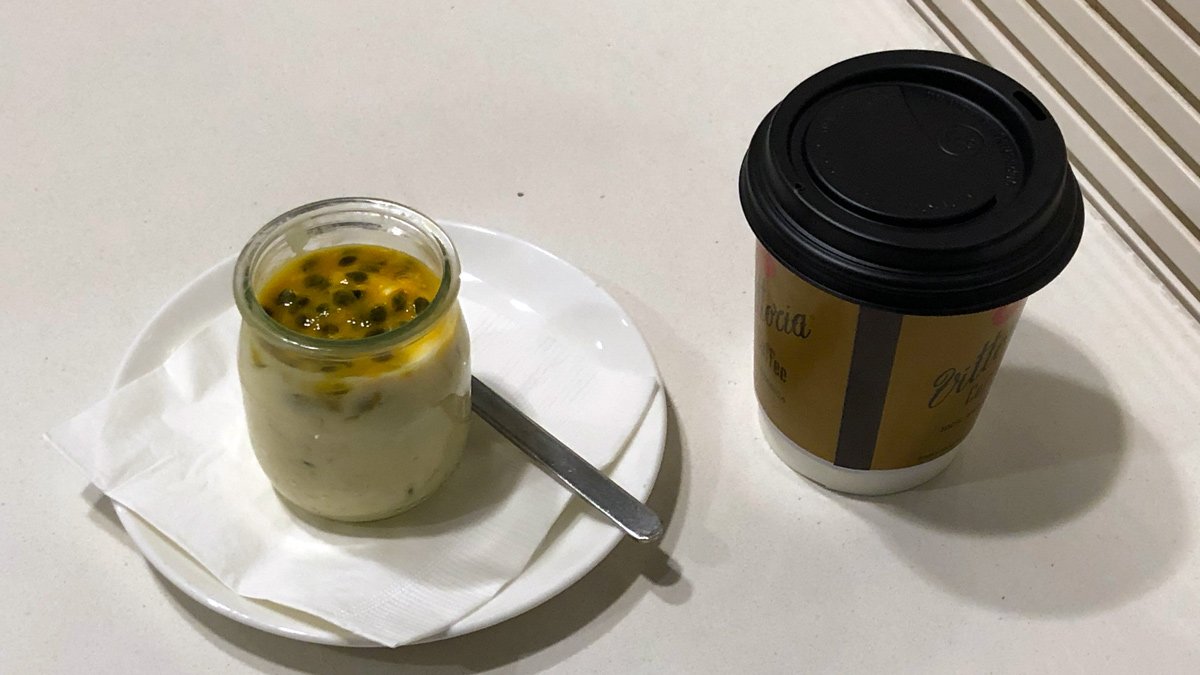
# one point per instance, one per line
(905, 203)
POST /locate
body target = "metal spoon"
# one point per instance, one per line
(562, 464)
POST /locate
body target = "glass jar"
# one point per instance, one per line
(354, 429)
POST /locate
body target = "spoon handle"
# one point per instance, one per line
(562, 464)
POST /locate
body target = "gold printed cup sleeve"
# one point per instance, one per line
(804, 342)
(865, 388)
(943, 368)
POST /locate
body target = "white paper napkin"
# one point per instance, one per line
(172, 447)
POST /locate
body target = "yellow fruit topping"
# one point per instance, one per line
(348, 292)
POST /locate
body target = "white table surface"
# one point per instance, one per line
(144, 141)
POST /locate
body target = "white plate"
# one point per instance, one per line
(496, 268)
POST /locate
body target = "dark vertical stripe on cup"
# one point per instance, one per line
(866, 386)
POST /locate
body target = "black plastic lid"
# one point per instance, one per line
(913, 181)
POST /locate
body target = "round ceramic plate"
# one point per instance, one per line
(496, 268)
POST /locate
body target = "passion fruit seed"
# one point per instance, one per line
(329, 329)
(304, 321)
(420, 304)
(372, 268)
(342, 298)
(301, 301)
(356, 276)
(347, 260)
(377, 314)
(318, 281)
(370, 404)
(286, 297)
(322, 309)
(403, 269)
(357, 293)
(399, 301)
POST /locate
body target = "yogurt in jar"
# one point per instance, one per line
(354, 364)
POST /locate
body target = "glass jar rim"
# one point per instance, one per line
(256, 316)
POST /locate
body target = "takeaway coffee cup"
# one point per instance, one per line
(905, 204)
